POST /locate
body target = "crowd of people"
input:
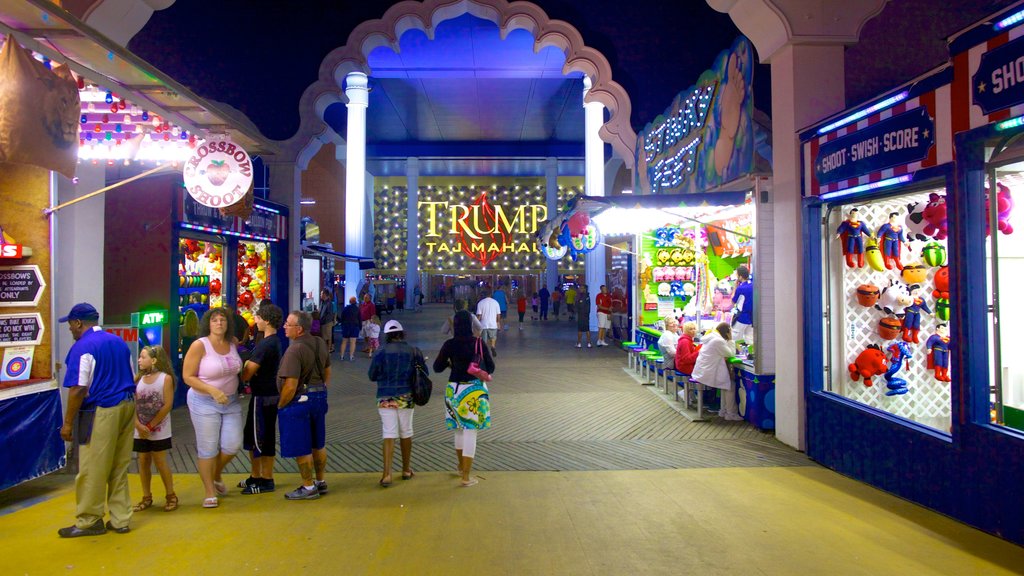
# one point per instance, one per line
(112, 412)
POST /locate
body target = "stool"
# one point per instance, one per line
(683, 381)
(659, 369)
(629, 356)
(670, 376)
(633, 351)
(639, 363)
(648, 366)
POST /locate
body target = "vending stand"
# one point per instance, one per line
(912, 382)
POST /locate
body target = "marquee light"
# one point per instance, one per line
(865, 187)
(213, 230)
(1009, 21)
(896, 98)
(1011, 123)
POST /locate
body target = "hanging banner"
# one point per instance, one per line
(900, 139)
(218, 173)
(706, 138)
(39, 124)
(999, 81)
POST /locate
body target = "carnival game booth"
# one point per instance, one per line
(702, 187)
(686, 249)
(190, 259)
(911, 383)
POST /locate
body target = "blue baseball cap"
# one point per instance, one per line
(81, 311)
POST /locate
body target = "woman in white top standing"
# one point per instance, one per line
(211, 371)
(154, 398)
(711, 368)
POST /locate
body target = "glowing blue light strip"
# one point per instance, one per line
(865, 187)
(1011, 20)
(1012, 122)
(228, 232)
(865, 112)
(266, 209)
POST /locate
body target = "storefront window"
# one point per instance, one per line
(200, 285)
(1005, 259)
(887, 306)
(253, 278)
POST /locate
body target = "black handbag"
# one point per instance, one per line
(419, 380)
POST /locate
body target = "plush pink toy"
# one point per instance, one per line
(1004, 204)
(935, 216)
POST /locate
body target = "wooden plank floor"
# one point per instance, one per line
(553, 408)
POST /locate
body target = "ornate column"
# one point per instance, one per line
(412, 238)
(355, 178)
(594, 150)
(804, 44)
(551, 200)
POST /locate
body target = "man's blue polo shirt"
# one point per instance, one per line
(102, 362)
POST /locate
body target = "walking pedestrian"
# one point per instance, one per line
(154, 398)
(521, 308)
(570, 301)
(466, 400)
(350, 327)
(367, 310)
(302, 408)
(211, 370)
(604, 315)
(545, 297)
(328, 317)
(502, 300)
(101, 400)
(489, 313)
(391, 369)
(582, 308)
(556, 300)
(260, 371)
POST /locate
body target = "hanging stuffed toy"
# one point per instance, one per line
(941, 293)
(898, 352)
(934, 254)
(912, 316)
(869, 363)
(938, 353)
(914, 273)
(1004, 205)
(873, 255)
(891, 240)
(851, 233)
(934, 215)
(890, 327)
(895, 297)
(868, 295)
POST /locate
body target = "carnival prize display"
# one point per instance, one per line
(253, 278)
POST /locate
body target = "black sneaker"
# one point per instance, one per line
(259, 487)
(321, 486)
(248, 482)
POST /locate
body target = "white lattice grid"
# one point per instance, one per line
(928, 400)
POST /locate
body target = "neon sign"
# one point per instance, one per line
(482, 230)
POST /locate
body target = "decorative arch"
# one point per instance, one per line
(426, 16)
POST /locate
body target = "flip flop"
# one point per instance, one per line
(211, 502)
(220, 487)
(468, 483)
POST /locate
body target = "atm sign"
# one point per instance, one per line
(154, 318)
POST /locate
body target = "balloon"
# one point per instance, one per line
(245, 299)
(578, 224)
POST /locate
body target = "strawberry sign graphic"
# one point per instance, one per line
(218, 174)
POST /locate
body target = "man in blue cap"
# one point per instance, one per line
(101, 393)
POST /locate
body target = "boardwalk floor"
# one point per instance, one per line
(554, 407)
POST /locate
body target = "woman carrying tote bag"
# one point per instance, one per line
(466, 401)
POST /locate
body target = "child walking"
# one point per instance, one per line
(373, 333)
(154, 398)
(521, 308)
(535, 301)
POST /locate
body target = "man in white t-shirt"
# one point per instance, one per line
(489, 313)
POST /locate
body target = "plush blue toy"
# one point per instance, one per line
(898, 352)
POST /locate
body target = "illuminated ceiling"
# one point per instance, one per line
(468, 102)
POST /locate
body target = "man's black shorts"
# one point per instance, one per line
(261, 426)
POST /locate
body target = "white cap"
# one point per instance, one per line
(392, 326)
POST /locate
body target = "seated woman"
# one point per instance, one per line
(669, 339)
(686, 350)
(712, 370)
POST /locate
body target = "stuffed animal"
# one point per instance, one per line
(898, 351)
(873, 255)
(868, 295)
(894, 298)
(914, 273)
(934, 254)
(869, 363)
(938, 353)
(912, 315)
(935, 216)
(941, 293)
(891, 240)
(890, 327)
(914, 222)
(851, 234)
(1004, 205)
